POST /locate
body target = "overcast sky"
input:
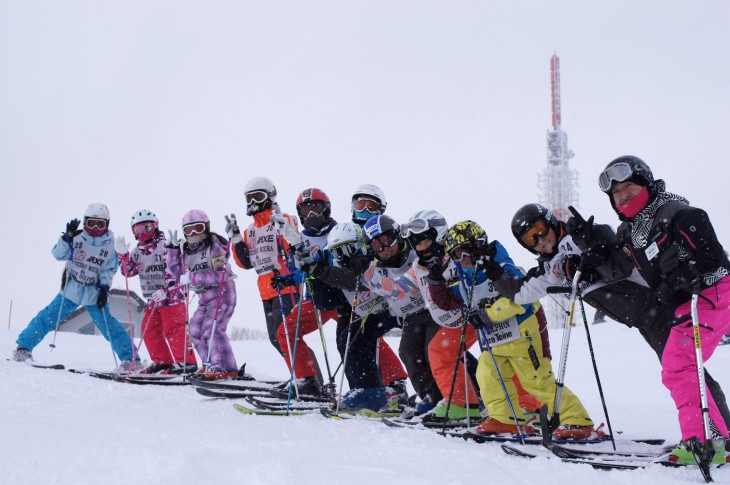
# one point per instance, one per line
(174, 105)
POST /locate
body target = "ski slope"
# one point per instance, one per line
(61, 428)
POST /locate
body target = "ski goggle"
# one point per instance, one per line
(343, 251)
(93, 223)
(537, 231)
(418, 226)
(380, 243)
(312, 208)
(194, 228)
(458, 253)
(256, 196)
(620, 172)
(369, 204)
(143, 228)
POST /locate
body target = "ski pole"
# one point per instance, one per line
(595, 371)
(294, 355)
(703, 454)
(63, 296)
(318, 316)
(215, 315)
(483, 334)
(293, 381)
(125, 259)
(106, 326)
(554, 420)
(462, 347)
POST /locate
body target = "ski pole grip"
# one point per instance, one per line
(559, 289)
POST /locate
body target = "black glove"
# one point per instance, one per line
(103, 296)
(72, 230)
(436, 271)
(683, 277)
(279, 282)
(580, 230)
(493, 269)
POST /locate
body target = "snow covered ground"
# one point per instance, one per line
(61, 428)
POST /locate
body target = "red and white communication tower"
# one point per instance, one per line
(558, 183)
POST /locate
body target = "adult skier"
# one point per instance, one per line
(513, 332)
(676, 251)
(392, 277)
(91, 264)
(165, 317)
(202, 264)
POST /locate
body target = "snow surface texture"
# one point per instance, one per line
(61, 428)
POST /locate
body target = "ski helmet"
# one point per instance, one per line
(367, 192)
(96, 219)
(196, 227)
(260, 194)
(382, 232)
(464, 234)
(426, 224)
(144, 225)
(631, 168)
(313, 201)
(526, 218)
(345, 240)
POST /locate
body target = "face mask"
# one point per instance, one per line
(364, 215)
(635, 205)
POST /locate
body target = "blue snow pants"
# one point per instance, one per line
(46, 320)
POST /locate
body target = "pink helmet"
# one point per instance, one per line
(195, 215)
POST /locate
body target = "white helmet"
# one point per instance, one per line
(260, 195)
(367, 191)
(424, 220)
(260, 183)
(143, 215)
(97, 211)
(346, 239)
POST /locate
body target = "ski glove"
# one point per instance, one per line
(279, 282)
(72, 230)
(493, 269)
(173, 242)
(287, 228)
(121, 245)
(683, 278)
(158, 295)
(103, 296)
(580, 230)
(232, 230)
(307, 264)
(185, 279)
(436, 272)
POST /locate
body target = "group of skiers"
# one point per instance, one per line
(446, 286)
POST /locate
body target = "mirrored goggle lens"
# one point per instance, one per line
(383, 241)
(143, 228)
(537, 231)
(417, 226)
(620, 172)
(92, 223)
(311, 209)
(256, 196)
(458, 253)
(340, 252)
(369, 204)
(193, 229)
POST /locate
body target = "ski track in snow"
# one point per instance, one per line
(61, 428)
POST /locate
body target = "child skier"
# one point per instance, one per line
(91, 265)
(202, 264)
(164, 320)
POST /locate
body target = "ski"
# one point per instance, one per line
(330, 412)
(595, 463)
(572, 452)
(229, 394)
(263, 402)
(265, 412)
(435, 424)
(232, 385)
(42, 366)
(284, 394)
(107, 376)
(158, 380)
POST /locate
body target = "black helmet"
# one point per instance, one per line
(383, 225)
(627, 167)
(525, 218)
